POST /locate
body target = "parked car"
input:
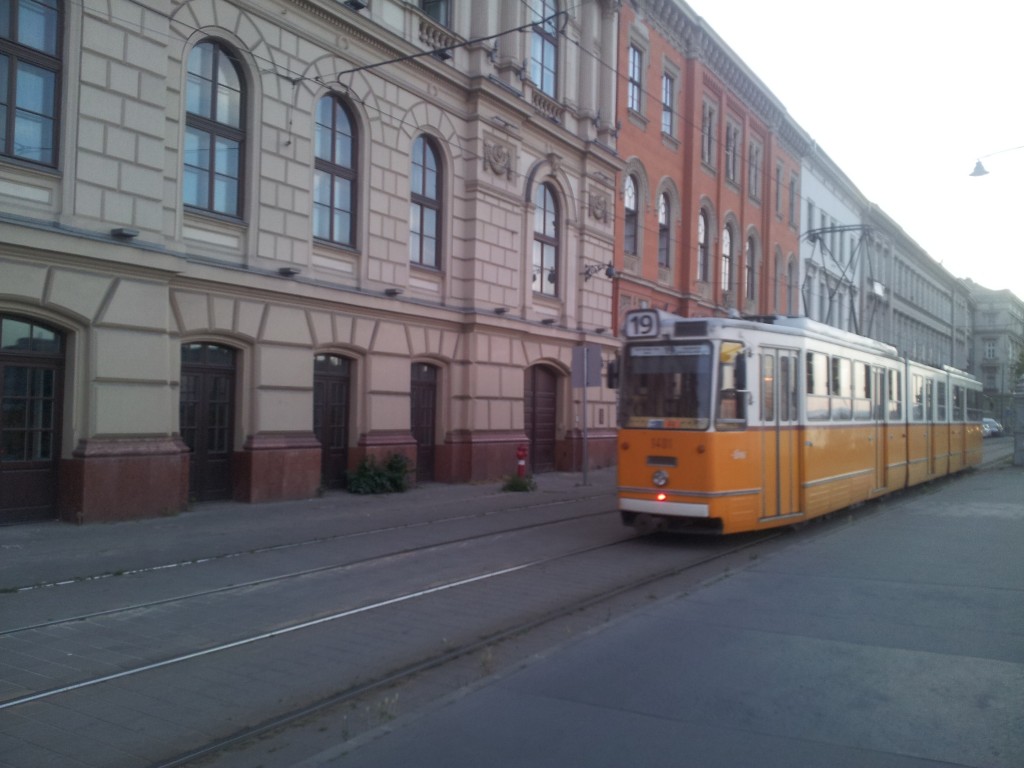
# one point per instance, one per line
(991, 428)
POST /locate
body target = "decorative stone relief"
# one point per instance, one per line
(599, 208)
(498, 158)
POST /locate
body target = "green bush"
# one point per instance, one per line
(517, 483)
(373, 477)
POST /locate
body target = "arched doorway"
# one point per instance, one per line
(332, 397)
(207, 418)
(31, 383)
(541, 397)
(424, 418)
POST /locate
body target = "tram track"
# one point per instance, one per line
(549, 554)
(271, 548)
(125, 609)
(418, 667)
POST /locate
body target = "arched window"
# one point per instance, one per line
(545, 241)
(632, 223)
(703, 259)
(214, 130)
(663, 231)
(727, 257)
(425, 204)
(30, 79)
(544, 46)
(334, 177)
(751, 270)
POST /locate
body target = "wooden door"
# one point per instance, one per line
(332, 397)
(540, 417)
(424, 418)
(206, 418)
(31, 384)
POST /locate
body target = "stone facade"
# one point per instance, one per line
(107, 246)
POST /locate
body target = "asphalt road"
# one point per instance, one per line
(270, 635)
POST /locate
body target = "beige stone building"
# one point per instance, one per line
(245, 243)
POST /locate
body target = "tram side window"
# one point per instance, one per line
(973, 405)
(958, 403)
(940, 402)
(732, 390)
(788, 382)
(861, 391)
(841, 389)
(817, 386)
(917, 397)
(929, 399)
(895, 396)
(769, 381)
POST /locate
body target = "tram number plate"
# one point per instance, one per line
(642, 324)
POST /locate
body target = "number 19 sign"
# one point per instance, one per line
(642, 324)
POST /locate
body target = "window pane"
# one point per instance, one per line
(225, 157)
(415, 212)
(416, 182)
(16, 335)
(37, 24)
(430, 223)
(229, 106)
(322, 188)
(225, 195)
(199, 98)
(197, 148)
(342, 138)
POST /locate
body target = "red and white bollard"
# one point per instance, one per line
(521, 461)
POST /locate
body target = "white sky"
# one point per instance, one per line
(905, 96)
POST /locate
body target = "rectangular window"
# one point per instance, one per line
(817, 386)
(754, 170)
(841, 389)
(732, 387)
(634, 89)
(940, 402)
(958, 403)
(732, 151)
(668, 104)
(708, 129)
(895, 396)
(917, 397)
(437, 10)
(793, 195)
(778, 190)
(30, 79)
(861, 391)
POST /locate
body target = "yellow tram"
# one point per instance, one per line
(741, 424)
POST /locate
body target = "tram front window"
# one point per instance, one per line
(666, 386)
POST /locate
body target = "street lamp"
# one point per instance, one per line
(979, 169)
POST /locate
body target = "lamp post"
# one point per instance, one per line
(979, 169)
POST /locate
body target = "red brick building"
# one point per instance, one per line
(709, 211)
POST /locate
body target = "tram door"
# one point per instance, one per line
(878, 415)
(206, 413)
(930, 430)
(780, 436)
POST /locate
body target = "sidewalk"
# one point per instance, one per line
(896, 641)
(50, 552)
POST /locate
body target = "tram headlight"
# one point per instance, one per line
(660, 478)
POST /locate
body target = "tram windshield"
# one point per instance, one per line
(666, 386)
